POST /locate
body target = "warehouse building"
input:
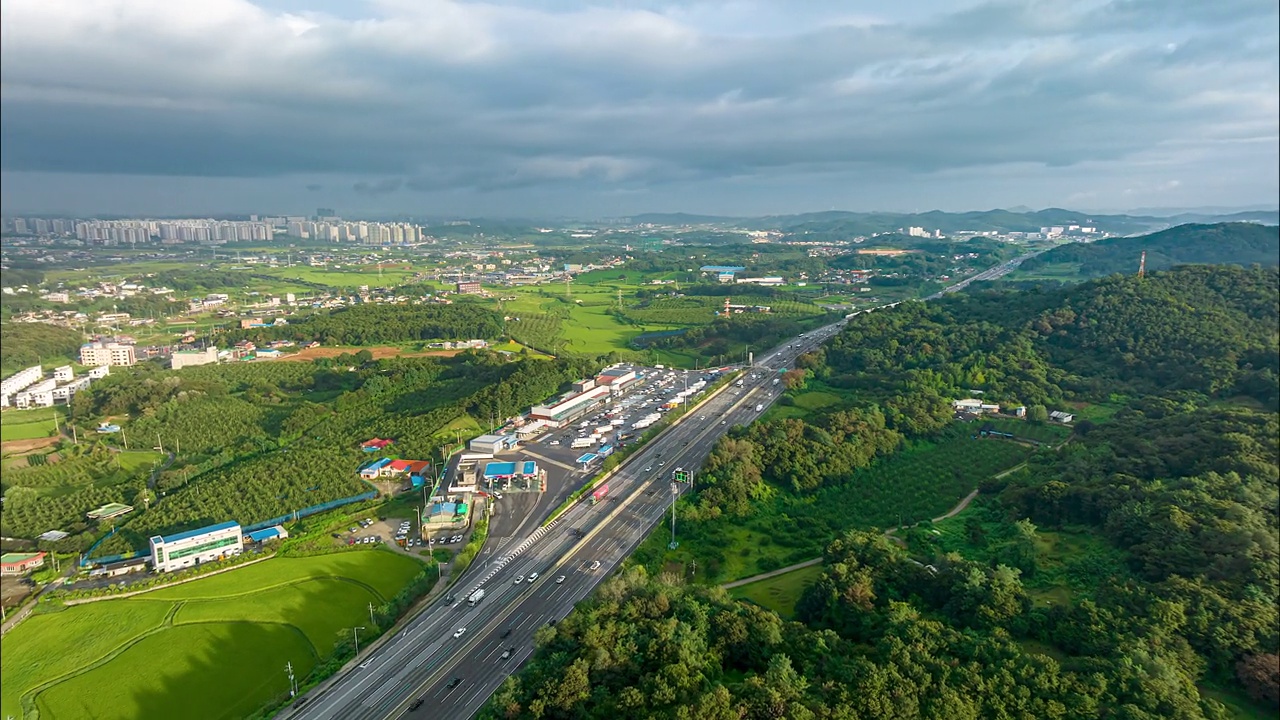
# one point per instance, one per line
(568, 410)
(492, 444)
(215, 542)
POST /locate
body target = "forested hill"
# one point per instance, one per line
(1223, 243)
(1130, 573)
(25, 344)
(1206, 330)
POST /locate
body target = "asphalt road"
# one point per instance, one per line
(425, 657)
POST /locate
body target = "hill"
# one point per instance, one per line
(1130, 572)
(25, 344)
(1235, 243)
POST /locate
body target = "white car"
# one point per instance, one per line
(554, 442)
(533, 576)
(560, 580)
(595, 565)
(518, 580)
(460, 632)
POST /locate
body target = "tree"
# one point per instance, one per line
(1260, 676)
(1037, 414)
(794, 379)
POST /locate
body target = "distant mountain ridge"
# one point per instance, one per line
(841, 224)
(1237, 243)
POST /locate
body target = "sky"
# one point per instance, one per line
(574, 108)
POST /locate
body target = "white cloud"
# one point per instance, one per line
(429, 96)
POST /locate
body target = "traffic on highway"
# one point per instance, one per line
(448, 660)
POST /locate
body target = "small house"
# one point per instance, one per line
(1062, 417)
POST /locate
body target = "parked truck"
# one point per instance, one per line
(476, 597)
(580, 443)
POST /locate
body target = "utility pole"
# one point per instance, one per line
(160, 443)
(293, 687)
(371, 622)
(124, 437)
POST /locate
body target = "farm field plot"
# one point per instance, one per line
(342, 277)
(1049, 434)
(917, 483)
(152, 655)
(171, 675)
(781, 592)
(27, 424)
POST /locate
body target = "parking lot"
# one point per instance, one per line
(516, 513)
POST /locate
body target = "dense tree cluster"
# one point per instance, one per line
(1233, 243)
(1178, 496)
(25, 344)
(1203, 330)
(645, 648)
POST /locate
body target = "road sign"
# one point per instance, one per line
(681, 475)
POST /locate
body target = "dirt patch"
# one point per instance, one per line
(884, 251)
(378, 353)
(13, 590)
(25, 446)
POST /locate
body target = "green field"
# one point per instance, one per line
(28, 424)
(919, 482)
(779, 593)
(346, 276)
(153, 655)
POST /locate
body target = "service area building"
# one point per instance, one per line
(492, 444)
(174, 552)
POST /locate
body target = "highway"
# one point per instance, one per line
(453, 675)
(425, 657)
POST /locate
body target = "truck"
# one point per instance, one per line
(739, 382)
(759, 407)
(599, 494)
(476, 597)
(580, 443)
(775, 381)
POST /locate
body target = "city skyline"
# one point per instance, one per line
(563, 108)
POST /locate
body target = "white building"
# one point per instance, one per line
(64, 374)
(19, 381)
(63, 393)
(215, 542)
(97, 354)
(188, 358)
(99, 372)
(38, 395)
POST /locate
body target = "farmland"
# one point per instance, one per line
(779, 593)
(151, 655)
(27, 424)
(921, 481)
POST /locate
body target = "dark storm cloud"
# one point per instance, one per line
(432, 97)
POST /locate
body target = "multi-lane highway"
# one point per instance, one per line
(454, 673)
(448, 660)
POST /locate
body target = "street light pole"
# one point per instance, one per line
(371, 622)
(355, 633)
